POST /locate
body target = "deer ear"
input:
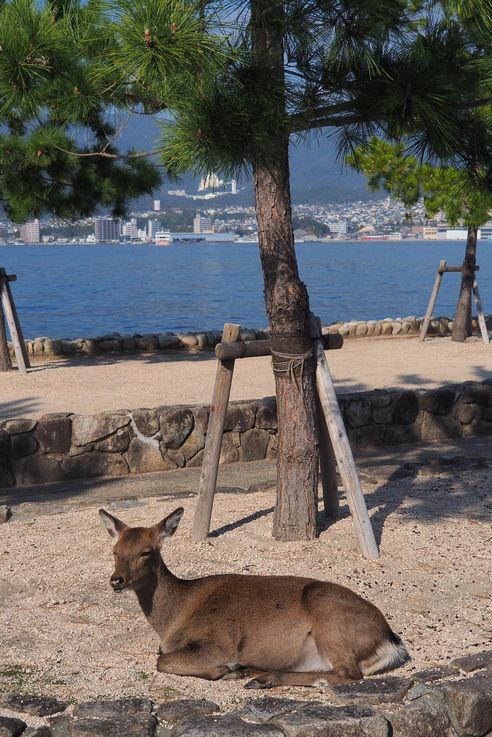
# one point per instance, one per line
(167, 526)
(113, 525)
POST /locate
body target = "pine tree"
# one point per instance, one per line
(464, 195)
(242, 80)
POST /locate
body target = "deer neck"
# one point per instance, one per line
(158, 597)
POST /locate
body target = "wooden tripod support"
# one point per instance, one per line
(333, 441)
(13, 321)
(441, 270)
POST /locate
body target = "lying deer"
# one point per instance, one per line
(278, 630)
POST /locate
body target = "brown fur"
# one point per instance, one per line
(280, 630)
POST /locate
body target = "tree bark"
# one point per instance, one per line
(462, 325)
(287, 306)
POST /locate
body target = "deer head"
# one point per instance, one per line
(137, 549)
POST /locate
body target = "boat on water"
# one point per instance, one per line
(163, 238)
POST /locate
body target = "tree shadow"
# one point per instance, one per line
(18, 407)
(241, 522)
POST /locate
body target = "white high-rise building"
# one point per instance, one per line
(157, 205)
(130, 229)
(202, 224)
(29, 232)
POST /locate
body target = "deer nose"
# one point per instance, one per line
(117, 582)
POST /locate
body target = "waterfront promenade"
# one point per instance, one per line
(88, 386)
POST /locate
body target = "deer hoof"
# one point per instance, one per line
(260, 682)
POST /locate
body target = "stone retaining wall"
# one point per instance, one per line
(155, 342)
(451, 701)
(61, 446)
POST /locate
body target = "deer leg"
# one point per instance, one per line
(238, 673)
(310, 678)
(200, 662)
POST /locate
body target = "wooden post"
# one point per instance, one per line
(481, 318)
(327, 461)
(13, 322)
(432, 301)
(344, 457)
(215, 429)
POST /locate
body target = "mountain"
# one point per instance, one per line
(316, 175)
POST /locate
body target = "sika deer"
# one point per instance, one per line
(279, 630)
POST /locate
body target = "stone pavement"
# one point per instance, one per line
(374, 465)
(453, 701)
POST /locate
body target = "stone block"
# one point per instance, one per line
(470, 663)
(438, 428)
(111, 345)
(470, 703)
(141, 725)
(174, 457)
(370, 436)
(254, 444)
(68, 347)
(266, 414)
(91, 428)
(52, 347)
(396, 328)
(167, 340)
(37, 469)
(10, 727)
(376, 691)
(146, 457)
(147, 342)
(39, 706)
(112, 709)
(128, 345)
(378, 329)
(92, 464)
(23, 444)
(194, 443)
(382, 408)
(188, 341)
(406, 407)
(202, 340)
(424, 718)
(175, 426)
(358, 412)
(240, 417)
(173, 712)
(437, 401)
(317, 720)
(5, 513)
(247, 334)
(224, 726)
(146, 421)
(361, 330)
(398, 434)
(38, 347)
(196, 461)
(264, 709)
(229, 452)
(88, 347)
(116, 443)
(54, 435)
(20, 425)
(474, 392)
(465, 413)
(6, 475)
(271, 453)
(200, 416)
(386, 327)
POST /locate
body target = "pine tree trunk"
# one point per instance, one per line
(462, 327)
(287, 306)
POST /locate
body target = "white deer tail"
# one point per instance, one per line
(390, 654)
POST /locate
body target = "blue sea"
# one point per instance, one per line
(86, 290)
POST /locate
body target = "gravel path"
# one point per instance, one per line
(65, 633)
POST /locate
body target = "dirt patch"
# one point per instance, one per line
(65, 633)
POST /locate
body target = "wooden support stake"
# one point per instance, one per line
(327, 461)
(481, 318)
(344, 457)
(13, 323)
(215, 429)
(432, 301)
(255, 348)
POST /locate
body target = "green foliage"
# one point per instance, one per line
(465, 196)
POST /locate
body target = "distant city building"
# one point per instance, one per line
(338, 228)
(202, 224)
(152, 228)
(130, 230)
(233, 186)
(157, 205)
(107, 229)
(29, 232)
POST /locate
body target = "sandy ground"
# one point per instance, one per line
(113, 382)
(64, 632)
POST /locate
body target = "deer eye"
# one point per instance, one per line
(145, 553)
